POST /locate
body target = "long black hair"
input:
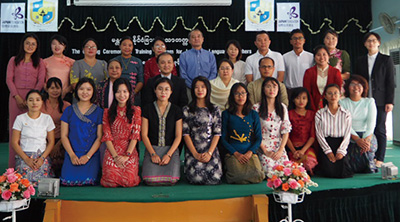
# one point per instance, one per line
(112, 111)
(57, 82)
(297, 92)
(263, 112)
(232, 103)
(21, 53)
(193, 104)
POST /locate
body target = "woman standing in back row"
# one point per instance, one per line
(132, 68)
(25, 71)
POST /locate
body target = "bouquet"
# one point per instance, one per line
(14, 187)
(290, 177)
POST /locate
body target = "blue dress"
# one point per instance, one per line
(82, 134)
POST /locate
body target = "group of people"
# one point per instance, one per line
(238, 119)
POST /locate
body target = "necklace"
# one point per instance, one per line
(127, 63)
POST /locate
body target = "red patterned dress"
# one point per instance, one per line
(120, 133)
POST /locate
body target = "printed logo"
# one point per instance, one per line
(259, 11)
(42, 12)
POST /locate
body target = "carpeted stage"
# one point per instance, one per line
(365, 197)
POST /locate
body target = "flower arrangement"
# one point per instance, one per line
(290, 177)
(14, 187)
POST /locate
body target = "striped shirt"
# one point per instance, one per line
(329, 125)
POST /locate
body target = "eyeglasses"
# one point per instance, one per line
(164, 89)
(372, 40)
(297, 38)
(30, 43)
(355, 84)
(159, 46)
(271, 86)
(90, 47)
(225, 68)
(239, 94)
(266, 67)
(333, 93)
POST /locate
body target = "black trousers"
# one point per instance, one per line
(380, 133)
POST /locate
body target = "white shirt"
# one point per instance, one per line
(371, 62)
(33, 131)
(238, 71)
(252, 64)
(321, 81)
(329, 125)
(296, 66)
(168, 76)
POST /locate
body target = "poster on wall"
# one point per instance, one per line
(260, 15)
(42, 16)
(288, 16)
(12, 18)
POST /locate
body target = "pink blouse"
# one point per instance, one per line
(55, 115)
(60, 68)
(24, 76)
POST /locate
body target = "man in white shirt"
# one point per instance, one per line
(296, 61)
(263, 42)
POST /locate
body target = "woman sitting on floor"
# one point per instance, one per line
(161, 135)
(275, 125)
(81, 131)
(241, 136)
(332, 127)
(201, 132)
(302, 136)
(363, 144)
(121, 132)
(29, 135)
(54, 105)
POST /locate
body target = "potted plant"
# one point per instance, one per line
(15, 191)
(289, 181)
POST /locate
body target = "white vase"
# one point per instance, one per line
(8, 206)
(288, 197)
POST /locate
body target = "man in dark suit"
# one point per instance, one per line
(178, 97)
(379, 71)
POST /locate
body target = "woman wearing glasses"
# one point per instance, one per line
(319, 76)
(89, 66)
(332, 128)
(151, 67)
(241, 137)
(378, 70)
(221, 85)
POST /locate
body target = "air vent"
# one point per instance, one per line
(395, 54)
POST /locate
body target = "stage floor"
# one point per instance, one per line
(184, 191)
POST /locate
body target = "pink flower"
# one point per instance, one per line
(302, 169)
(287, 162)
(293, 184)
(10, 171)
(287, 171)
(270, 184)
(26, 194)
(6, 195)
(277, 182)
(31, 190)
(12, 178)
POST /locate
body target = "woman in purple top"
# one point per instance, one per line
(25, 71)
